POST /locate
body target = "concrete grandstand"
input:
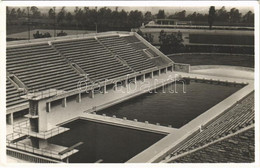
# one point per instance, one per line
(51, 82)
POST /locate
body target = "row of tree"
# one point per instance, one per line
(82, 18)
(105, 18)
(221, 15)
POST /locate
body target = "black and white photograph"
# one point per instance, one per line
(119, 83)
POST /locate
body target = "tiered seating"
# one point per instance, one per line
(93, 58)
(130, 39)
(12, 95)
(151, 52)
(40, 67)
(240, 116)
(139, 46)
(135, 42)
(237, 148)
(119, 47)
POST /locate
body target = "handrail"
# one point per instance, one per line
(24, 128)
(44, 152)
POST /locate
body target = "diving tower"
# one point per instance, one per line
(32, 135)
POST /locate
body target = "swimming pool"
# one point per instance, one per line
(170, 105)
(111, 144)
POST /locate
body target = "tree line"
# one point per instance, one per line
(221, 15)
(106, 19)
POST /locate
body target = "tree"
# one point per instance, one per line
(61, 16)
(180, 15)
(104, 18)
(69, 17)
(161, 14)
(222, 15)
(35, 12)
(148, 37)
(148, 17)
(235, 15)
(171, 43)
(248, 17)
(19, 13)
(135, 19)
(162, 36)
(51, 14)
(211, 16)
(78, 15)
(13, 14)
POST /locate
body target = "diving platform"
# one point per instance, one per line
(51, 150)
(25, 128)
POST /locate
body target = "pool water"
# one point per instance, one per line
(168, 108)
(112, 144)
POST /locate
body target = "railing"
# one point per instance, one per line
(14, 136)
(29, 157)
(24, 128)
(43, 152)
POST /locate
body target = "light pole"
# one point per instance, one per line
(54, 22)
(28, 24)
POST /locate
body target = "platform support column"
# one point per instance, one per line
(43, 143)
(151, 74)
(135, 80)
(126, 82)
(10, 119)
(92, 94)
(115, 86)
(143, 77)
(48, 106)
(171, 68)
(159, 72)
(39, 143)
(79, 98)
(104, 89)
(64, 102)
